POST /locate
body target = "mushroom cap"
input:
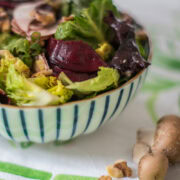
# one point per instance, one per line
(167, 137)
(153, 167)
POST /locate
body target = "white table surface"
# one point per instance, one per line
(89, 155)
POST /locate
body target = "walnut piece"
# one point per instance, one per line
(119, 170)
(66, 18)
(105, 178)
(5, 24)
(43, 17)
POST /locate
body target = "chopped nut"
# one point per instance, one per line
(105, 178)
(66, 18)
(3, 13)
(4, 21)
(114, 172)
(45, 72)
(122, 165)
(5, 27)
(119, 169)
(45, 18)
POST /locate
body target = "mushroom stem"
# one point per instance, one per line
(167, 138)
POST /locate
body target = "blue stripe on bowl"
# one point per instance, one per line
(23, 123)
(58, 119)
(91, 111)
(145, 75)
(41, 124)
(129, 95)
(6, 124)
(106, 107)
(76, 109)
(118, 102)
(139, 82)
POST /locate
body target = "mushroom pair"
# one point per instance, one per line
(155, 151)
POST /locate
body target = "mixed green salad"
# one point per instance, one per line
(56, 51)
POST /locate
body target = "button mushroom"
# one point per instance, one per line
(165, 149)
(153, 167)
(167, 138)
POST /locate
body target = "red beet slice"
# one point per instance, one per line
(75, 56)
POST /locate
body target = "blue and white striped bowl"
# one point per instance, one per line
(62, 123)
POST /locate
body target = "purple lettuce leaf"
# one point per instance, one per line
(127, 59)
(4, 98)
(73, 76)
(11, 4)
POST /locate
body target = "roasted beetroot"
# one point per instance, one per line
(74, 76)
(127, 59)
(75, 56)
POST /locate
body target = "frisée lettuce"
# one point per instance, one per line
(25, 93)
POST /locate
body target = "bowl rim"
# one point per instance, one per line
(149, 59)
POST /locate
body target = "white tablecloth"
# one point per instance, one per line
(89, 155)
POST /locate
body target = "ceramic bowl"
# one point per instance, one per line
(65, 122)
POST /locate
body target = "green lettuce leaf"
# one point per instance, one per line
(78, 5)
(89, 25)
(21, 47)
(54, 86)
(69, 7)
(62, 92)
(46, 82)
(25, 93)
(5, 39)
(107, 77)
(8, 59)
(24, 49)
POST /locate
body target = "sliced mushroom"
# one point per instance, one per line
(22, 14)
(16, 29)
(38, 18)
(44, 15)
(45, 32)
